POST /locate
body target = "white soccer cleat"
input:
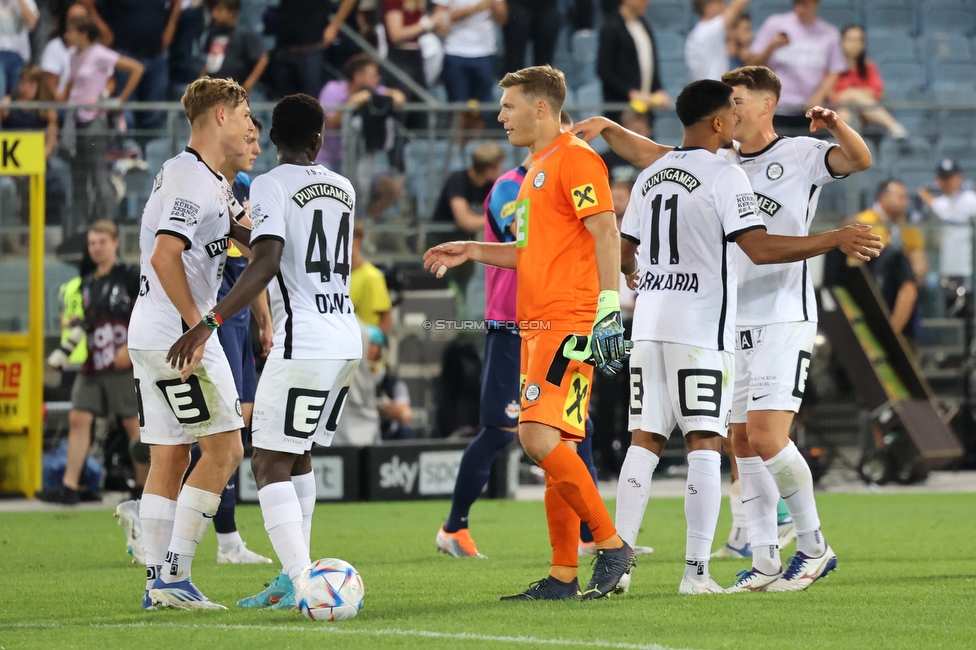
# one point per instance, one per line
(241, 555)
(127, 513)
(786, 532)
(623, 585)
(689, 587)
(181, 595)
(752, 580)
(803, 571)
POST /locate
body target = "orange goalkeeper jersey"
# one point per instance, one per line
(556, 256)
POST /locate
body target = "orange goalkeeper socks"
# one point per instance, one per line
(564, 526)
(569, 476)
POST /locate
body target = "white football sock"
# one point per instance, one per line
(227, 542)
(703, 500)
(633, 491)
(194, 510)
(156, 514)
(305, 489)
(759, 499)
(283, 521)
(739, 534)
(795, 485)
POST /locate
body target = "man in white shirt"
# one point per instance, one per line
(469, 46)
(956, 208)
(17, 18)
(706, 52)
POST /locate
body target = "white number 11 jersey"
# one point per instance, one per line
(310, 210)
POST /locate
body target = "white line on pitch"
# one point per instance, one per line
(327, 629)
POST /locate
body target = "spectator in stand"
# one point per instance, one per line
(463, 198)
(359, 425)
(184, 63)
(706, 53)
(861, 85)
(17, 19)
(406, 21)
(805, 54)
(739, 41)
(530, 20)
(233, 52)
(31, 87)
(144, 30)
(339, 47)
(105, 385)
(296, 64)
(888, 218)
(367, 287)
(56, 59)
(92, 66)
(956, 208)
(469, 47)
(392, 395)
(627, 61)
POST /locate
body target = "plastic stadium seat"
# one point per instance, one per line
(584, 46)
(157, 152)
(953, 81)
(955, 147)
(947, 19)
(674, 74)
(667, 128)
(891, 45)
(895, 153)
(590, 95)
(670, 46)
(917, 121)
(882, 16)
(944, 45)
(841, 17)
(669, 15)
(425, 172)
(902, 79)
(957, 122)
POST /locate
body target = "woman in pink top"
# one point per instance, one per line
(861, 86)
(92, 66)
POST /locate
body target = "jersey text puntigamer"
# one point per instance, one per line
(310, 210)
(684, 213)
(188, 201)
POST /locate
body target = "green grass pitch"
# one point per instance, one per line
(906, 579)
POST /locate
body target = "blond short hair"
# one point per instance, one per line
(485, 156)
(105, 227)
(205, 93)
(539, 82)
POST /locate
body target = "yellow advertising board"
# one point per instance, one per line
(21, 354)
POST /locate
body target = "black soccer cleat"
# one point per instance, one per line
(611, 564)
(61, 494)
(548, 589)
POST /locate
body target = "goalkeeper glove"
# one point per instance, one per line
(59, 357)
(605, 348)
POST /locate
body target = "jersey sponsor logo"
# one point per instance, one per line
(303, 411)
(158, 181)
(584, 197)
(257, 216)
(767, 205)
(185, 399)
(746, 204)
(522, 223)
(574, 408)
(774, 171)
(217, 247)
(539, 180)
(186, 211)
(671, 175)
(314, 191)
(668, 282)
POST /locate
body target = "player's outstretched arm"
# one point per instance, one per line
(855, 240)
(446, 256)
(188, 349)
(852, 155)
(635, 149)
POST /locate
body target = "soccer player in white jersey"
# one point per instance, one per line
(302, 219)
(686, 210)
(183, 240)
(775, 328)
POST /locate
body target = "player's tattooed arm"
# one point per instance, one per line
(852, 155)
(635, 149)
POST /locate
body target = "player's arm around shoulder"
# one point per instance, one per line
(852, 154)
(634, 148)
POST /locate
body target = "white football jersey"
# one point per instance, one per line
(188, 201)
(787, 177)
(685, 211)
(310, 210)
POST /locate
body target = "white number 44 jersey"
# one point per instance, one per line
(310, 210)
(685, 211)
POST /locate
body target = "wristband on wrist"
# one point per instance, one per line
(212, 320)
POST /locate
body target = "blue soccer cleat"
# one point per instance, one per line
(803, 571)
(733, 552)
(275, 592)
(181, 595)
(147, 602)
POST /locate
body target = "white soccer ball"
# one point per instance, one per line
(329, 590)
